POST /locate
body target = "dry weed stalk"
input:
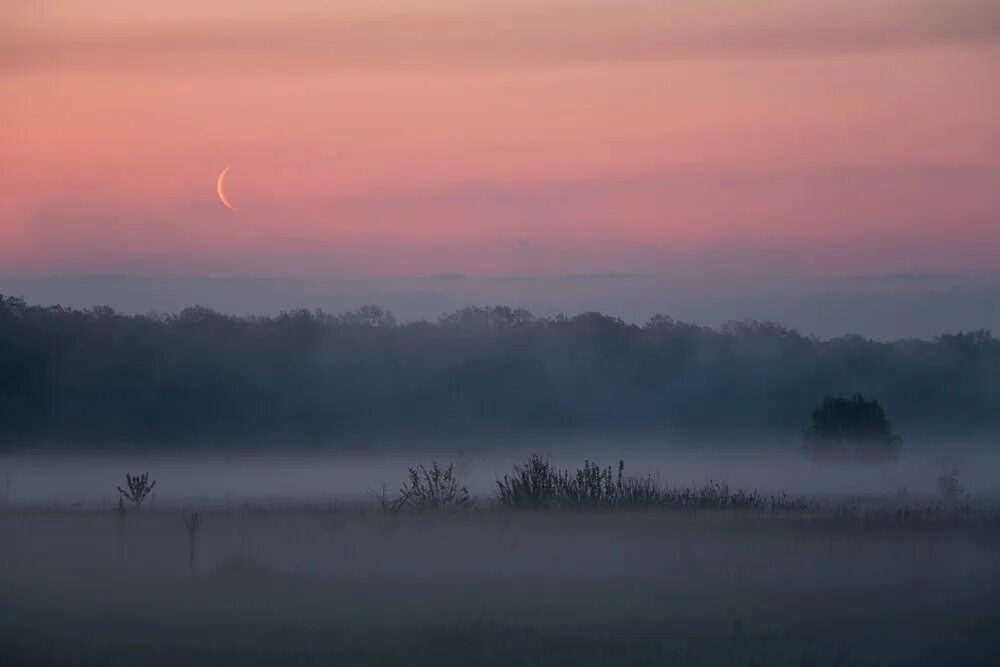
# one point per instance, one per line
(138, 488)
(192, 521)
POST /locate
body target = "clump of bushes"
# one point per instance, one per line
(537, 484)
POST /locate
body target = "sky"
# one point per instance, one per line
(723, 149)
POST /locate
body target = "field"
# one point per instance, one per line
(874, 582)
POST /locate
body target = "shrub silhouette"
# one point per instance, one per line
(851, 428)
(138, 488)
(537, 484)
(435, 490)
(950, 487)
(593, 486)
(534, 484)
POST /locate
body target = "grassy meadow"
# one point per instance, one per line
(705, 575)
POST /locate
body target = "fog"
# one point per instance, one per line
(99, 378)
(327, 584)
(262, 544)
(291, 563)
(291, 474)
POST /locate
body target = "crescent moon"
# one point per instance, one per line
(222, 192)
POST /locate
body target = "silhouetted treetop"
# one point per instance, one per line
(851, 426)
(491, 317)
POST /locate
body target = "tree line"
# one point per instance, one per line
(103, 376)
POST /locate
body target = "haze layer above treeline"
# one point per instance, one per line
(100, 376)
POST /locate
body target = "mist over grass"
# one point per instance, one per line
(102, 377)
(316, 584)
(617, 565)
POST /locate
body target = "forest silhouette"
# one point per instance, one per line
(105, 377)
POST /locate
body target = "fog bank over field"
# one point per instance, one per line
(343, 585)
(291, 475)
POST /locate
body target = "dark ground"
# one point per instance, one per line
(333, 584)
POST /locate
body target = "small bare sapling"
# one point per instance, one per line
(138, 488)
(120, 516)
(390, 506)
(192, 522)
(950, 487)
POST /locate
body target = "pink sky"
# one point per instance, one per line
(490, 138)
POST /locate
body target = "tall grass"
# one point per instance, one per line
(538, 484)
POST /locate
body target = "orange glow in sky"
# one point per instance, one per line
(404, 138)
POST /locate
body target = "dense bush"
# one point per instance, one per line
(851, 427)
(103, 376)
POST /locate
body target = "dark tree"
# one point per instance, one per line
(851, 428)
